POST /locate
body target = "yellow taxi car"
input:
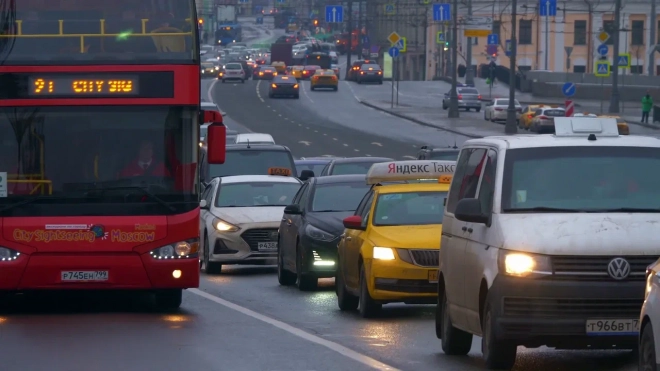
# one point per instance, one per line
(324, 79)
(389, 250)
(624, 129)
(297, 71)
(280, 67)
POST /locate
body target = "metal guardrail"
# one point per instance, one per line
(656, 113)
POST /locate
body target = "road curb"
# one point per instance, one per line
(643, 124)
(419, 122)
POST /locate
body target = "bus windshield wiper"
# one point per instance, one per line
(134, 188)
(29, 201)
(543, 209)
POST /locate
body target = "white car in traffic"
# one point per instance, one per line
(497, 110)
(649, 339)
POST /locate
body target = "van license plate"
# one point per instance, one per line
(84, 276)
(600, 327)
(433, 276)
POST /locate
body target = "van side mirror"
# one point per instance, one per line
(306, 174)
(203, 205)
(292, 210)
(469, 210)
(354, 222)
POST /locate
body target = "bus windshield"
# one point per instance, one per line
(66, 32)
(102, 160)
(322, 60)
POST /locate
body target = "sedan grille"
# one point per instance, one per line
(594, 268)
(253, 236)
(426, 258)
(572, 308)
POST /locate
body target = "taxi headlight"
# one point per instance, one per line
(383, 253)
(179, 250)
(523, 265)
(222, 226)
(318, 234)
(217, 68)
(7, 254)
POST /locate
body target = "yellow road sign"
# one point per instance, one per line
(477, 33)
(603, 36)
(394, 38)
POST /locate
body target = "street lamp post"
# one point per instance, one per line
(511, 124)
(453, 98)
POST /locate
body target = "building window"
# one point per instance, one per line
(637, 33)
(639, 69)
(580, 69)
(497, 25)
(608, 26)
(525, 32)
(580, 33)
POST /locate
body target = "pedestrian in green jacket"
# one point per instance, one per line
(647, 104)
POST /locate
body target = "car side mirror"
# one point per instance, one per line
(292, 210)
(469, 210)
(203, 205)
(306, 174)
(354, 222)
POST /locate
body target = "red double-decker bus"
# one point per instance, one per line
(99, 133)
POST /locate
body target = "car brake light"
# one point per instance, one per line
(479, 97)
(295, 86)
(380, 72)
(361, 72)
(499, 109)
(273, 85)
(460, 96)
(274, 73)
(261, 73)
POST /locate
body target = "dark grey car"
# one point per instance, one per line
(468, 98)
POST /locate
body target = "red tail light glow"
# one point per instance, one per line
(460, 96)
(479, 97)
(544, 117)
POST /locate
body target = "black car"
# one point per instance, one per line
(370, 73)
(351, 165)
(264, 73)
(441, 154)
(284, 86)
(313, 164)
(311, 228)
(355, 69)
(244, 159)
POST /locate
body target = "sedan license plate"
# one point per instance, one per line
(84, 276)
(267, 246)
(433, 276)
(601, 327)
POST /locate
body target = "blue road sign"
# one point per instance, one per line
(334, 14)
(507, 48)
(623, 60)
(441, 12)
(493, 39)
(281, 1)
(603, 50)
(568, 89)
(548, 8)
(602, 68)
(394, 52)
(389, 9)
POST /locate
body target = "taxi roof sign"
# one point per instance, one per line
(411, 170)
(279, 171)
(585, 126)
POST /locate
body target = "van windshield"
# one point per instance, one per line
(591, 179)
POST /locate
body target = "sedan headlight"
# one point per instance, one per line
(179, 250)
(383, 253)
(8, 254)
(319, 234)
(519, 264)
(222, 226)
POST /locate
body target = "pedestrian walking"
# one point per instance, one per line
(647, 105)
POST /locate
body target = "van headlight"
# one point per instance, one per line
(7, 254)
(520, 264)
(383, 253)
(222, 226)
(179, 250)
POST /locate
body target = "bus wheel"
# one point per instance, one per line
(169, 299)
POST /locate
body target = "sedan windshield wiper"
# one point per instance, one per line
(135, 188)
(628, 210)
(543, 209)
(29, 201)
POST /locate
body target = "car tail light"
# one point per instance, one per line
(274, 73)
(295, 86)
(273, 85)
(479, 97)
(361, 72)
(261, 73)
(380, 72)
(460, 96)
(499, 109)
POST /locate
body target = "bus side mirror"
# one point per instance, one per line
(216, 138)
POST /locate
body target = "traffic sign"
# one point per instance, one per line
(441, 12)
(507, 48)
(394, 52)
(568, 89)
(439, 37)
(624, 60)
(570, 108)
(603, 36)
(548, 8)
(493, 39)
(390, 9)
(603, 50)
(394, 38)
(402, 44)
(334, 14)
(602, 69)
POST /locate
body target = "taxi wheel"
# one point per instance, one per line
(369, 308)
(284, 277)
(455, 342)
(498, 354)
(345, 300)
(209, 266)
(647, 358)
(305, 282)
(169, 299)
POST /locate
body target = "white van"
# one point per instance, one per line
(546, 239)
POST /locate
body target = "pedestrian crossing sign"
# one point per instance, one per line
(402, 44)
(602, 69)
(624, 60)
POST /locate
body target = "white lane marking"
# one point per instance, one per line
(305, 92)
(368, 155)
(327, 156)
(344, 351)
(356, 150)
(352, 91)
(259, 92)
(305, 142)
(274, 110)
(410, 157)
(325, 134)
(345, 145)
(335, 139)
(414, 146)
(280, 114)
(376, 144)
(209, 93)
(316, 131)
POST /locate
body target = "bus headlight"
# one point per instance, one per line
(179, 250)
(519, 264)
(7, 254)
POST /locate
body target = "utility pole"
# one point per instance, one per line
(547, 33)
(653, 25)
(359, 33)
(426, 40)
(453, 98)
(469, 73)
(350, 38)
(511, 127)
(614, 101)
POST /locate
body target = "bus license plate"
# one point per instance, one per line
(84, 276)
(433, 276)
(267, 246)
(600, 327)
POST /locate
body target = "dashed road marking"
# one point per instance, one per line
(316, 131)
(279, 114)
(259, 92)
(274, 110)
(346, 352)
(345, 145)
(209, 93)
(335, 139)
(368, 155)
(356, 150)
(305, 92)
(305, 142)
(352, 91)
(376, 144)
(325, 134)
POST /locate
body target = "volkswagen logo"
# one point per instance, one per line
(618, 268)
(273, 235)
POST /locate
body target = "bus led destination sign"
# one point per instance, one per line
(83, 85)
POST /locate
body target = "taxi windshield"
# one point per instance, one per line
(409, 208)
(325, 196)
(590, 179)
(256, 194)
(350, 168)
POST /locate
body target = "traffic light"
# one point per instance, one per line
(446, 45)
(201, 21)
